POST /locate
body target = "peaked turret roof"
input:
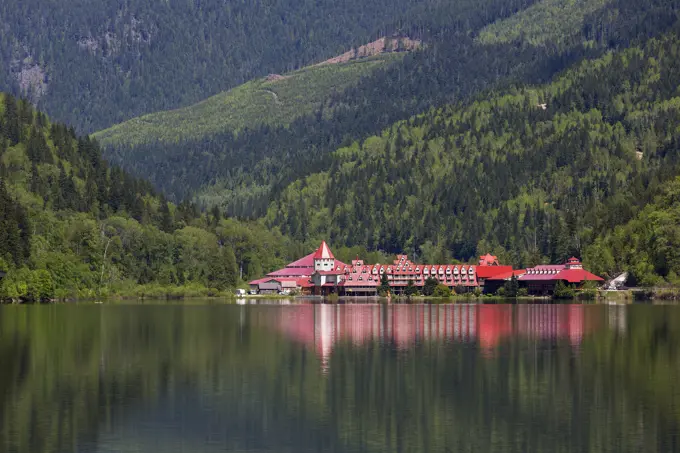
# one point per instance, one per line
(323, 252)
(488, 260)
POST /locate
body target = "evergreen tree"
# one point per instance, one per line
(411, 289)
(429, 286)
(511, 287)
(384, 288)
(167, 222)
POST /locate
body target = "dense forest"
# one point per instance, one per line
(470, 49)
(534, 175)
(72, 225)
(92, 64)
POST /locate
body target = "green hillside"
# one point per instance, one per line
(96, 63)
(544, 23)
(534, 175)
(73, 226)
(243, 173)
(274, 100)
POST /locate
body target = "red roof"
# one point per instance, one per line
(578, 276)
(293, 272)
(323, 252)
(508, 275)
(492, 271)
(547, 273)
(304, 283)
(307, 261)
(488, 260)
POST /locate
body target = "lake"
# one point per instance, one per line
(207, 377)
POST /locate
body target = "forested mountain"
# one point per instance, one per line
(534, 175)
(470, 48)
(93, 63)
(72, 225)
(275, 100)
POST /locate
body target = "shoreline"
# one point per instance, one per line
(186, 294)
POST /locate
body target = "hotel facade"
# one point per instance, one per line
(319, 273)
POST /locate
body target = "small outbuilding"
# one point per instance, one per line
(270, 287)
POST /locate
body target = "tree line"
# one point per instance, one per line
(71, 225)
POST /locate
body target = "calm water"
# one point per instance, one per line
(353, 378)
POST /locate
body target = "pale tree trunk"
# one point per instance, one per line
(106, 249)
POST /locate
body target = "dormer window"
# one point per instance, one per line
(382, 270)
(417, 269)
(426, 271)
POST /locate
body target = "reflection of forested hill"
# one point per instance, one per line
(118, 377)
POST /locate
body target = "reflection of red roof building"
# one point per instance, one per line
(494, 323)
(322, 327)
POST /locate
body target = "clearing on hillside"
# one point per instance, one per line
(274, 100)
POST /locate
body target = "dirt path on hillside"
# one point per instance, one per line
(276, 96)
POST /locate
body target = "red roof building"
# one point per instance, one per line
(542, 279)
(320, 273)
(301, 271)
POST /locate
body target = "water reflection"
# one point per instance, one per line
(355, 378)
(320, 327)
